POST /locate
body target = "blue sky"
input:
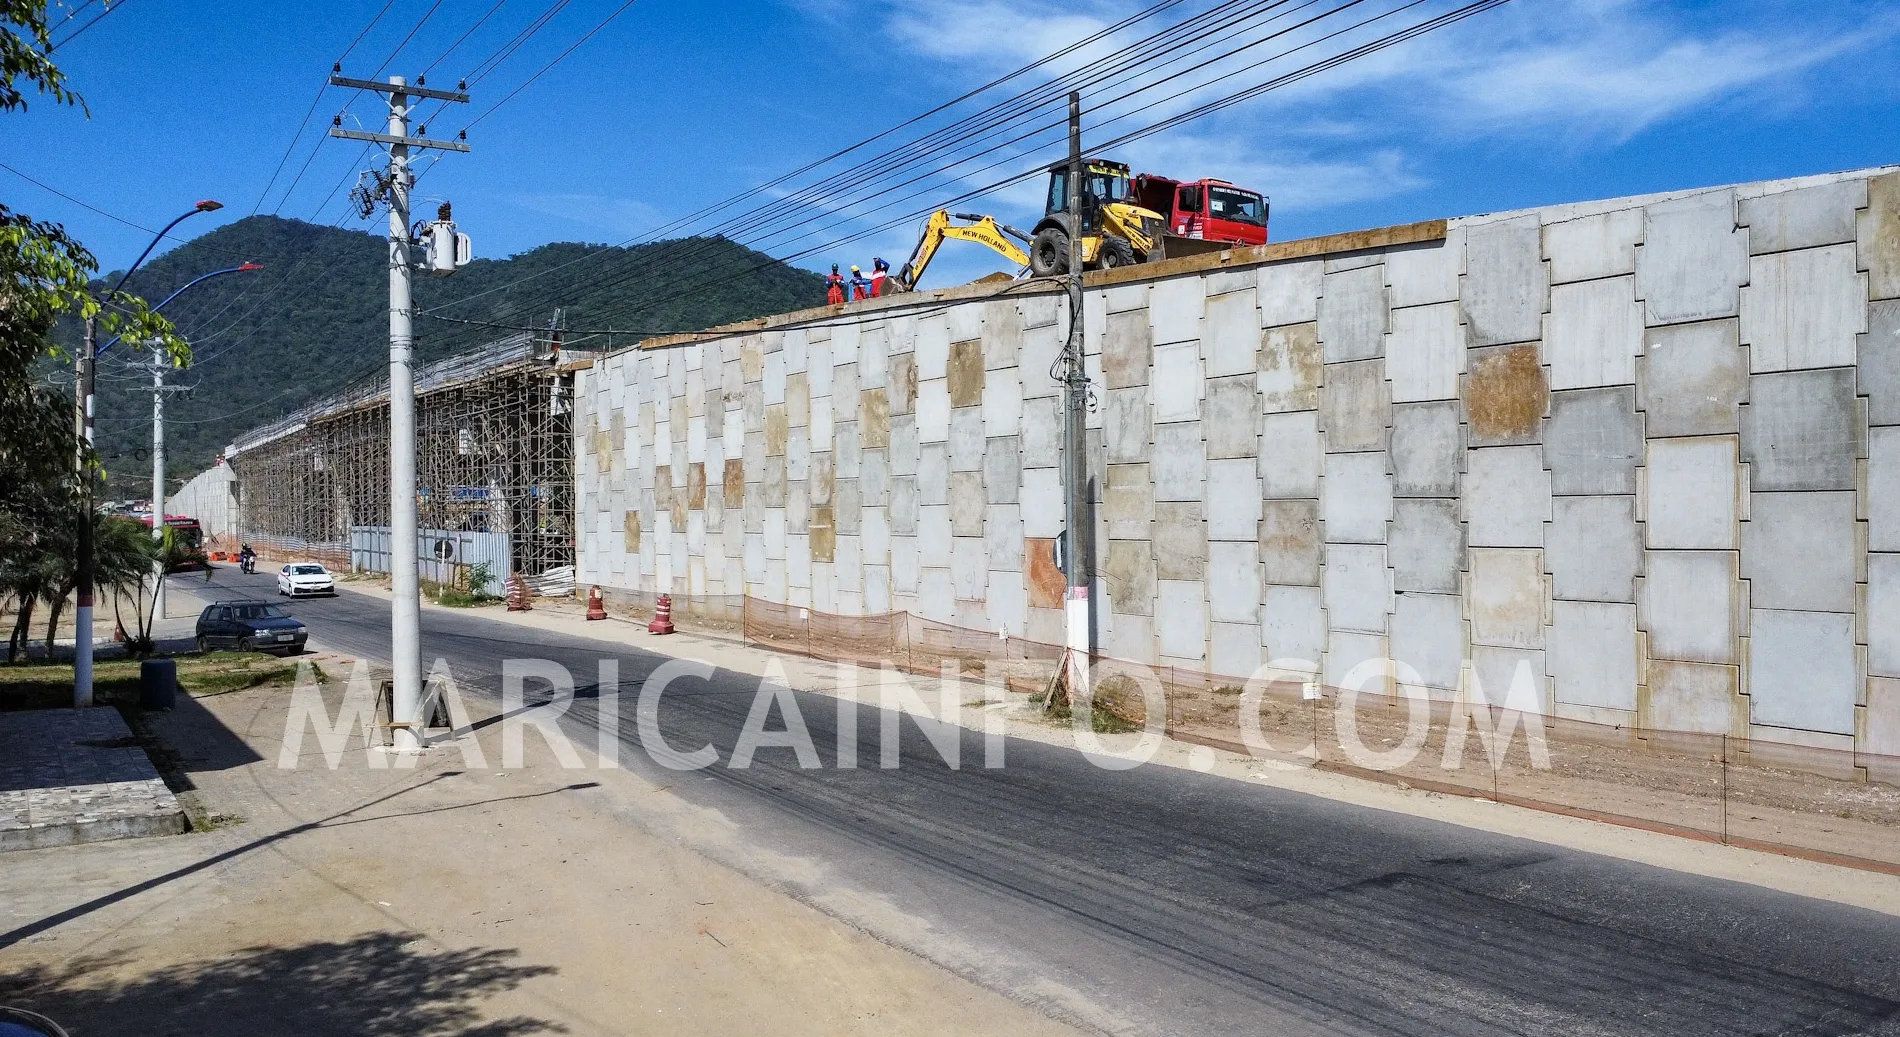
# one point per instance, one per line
(675, 105)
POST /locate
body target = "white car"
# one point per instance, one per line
(300, 578)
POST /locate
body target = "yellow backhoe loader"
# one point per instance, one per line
(1115, 231)
(984, 230)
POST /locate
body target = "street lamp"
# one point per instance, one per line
(158, 427)
(86, 364)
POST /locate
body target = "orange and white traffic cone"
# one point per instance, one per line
(662, 616)
(596, 608)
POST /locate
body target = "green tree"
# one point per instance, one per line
(44, 275)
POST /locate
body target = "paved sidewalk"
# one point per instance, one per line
(78, 776)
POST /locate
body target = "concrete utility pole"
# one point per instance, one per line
(405, 619)
(82, 614)
(1075, 465)
(158, 478)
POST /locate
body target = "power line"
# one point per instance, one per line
(557, 60)
(110, 6)
(420, 22)
(1400, 36)
(479, 22)
(314, 101)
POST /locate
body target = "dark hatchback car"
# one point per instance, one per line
(250, 626)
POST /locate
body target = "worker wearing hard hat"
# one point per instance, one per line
(860, 288)
(880, 272)
(834, 287)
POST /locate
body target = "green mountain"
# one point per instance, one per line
(315, 320)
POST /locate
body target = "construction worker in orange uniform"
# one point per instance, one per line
(834, 287)
(880, 271)
(860, 288)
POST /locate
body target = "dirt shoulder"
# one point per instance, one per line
(453, 898)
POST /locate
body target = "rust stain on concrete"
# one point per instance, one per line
(735, 482)
(1506, 395)
(696, 487)
(1046, 582)
(966, 373)
(824, 539)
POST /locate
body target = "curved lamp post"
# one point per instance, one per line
(82, 615)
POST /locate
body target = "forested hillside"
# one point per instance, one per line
(315, 319)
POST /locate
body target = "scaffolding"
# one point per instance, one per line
(494, 453)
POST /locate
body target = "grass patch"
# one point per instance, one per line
(1102, 720)
(43, 685)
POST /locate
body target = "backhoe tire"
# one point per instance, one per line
(1049, 252)
(1117, 252)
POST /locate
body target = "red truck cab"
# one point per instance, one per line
(1212, 210)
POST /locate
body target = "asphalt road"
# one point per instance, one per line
(1179, 903)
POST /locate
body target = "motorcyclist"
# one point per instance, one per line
(247, 559)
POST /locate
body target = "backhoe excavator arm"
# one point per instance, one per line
(984, 230)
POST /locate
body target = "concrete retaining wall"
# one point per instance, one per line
(211, 497)
(1647, 450)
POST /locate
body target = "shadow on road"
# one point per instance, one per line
(373, 985)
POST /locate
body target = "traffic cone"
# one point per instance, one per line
(662, 616)
(596, 608)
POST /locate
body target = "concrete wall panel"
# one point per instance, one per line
(1425, 353)
(1498, 672)
(1127, 424)
(1593, 333)
(1178, 382)
(1181, 619)
(1233, 582)
(1421, 275)
(1504, 291)
(1692, 379)
(1590, 247)
(1507, 395)
(1358, 587)
(1233, 500)
(1801, 671)
(1798, 430)
(1288, 293)
(1290, 455)
(1506, 595)
(1293, 624)
(1233, 417)
(1180, 540)
(1594, 548)
(1129, 570)
(1878, 236)
(1799, 551)
(1693, 261)
(1352, 314)
(1356, 407)
(1593, 441)
(1883, 614)
(1692, 486)
(1128, 501)
(1428, 449)
(1175, 308)
(1803, 309)
(1180, 462)
(1428, 545)
(1507, 497)
(1346, 649)
(1290, 542)
(1883, 489)
(1232, 330)
(1291, 367)
(1692, 697)
(1357, 498)
(1805, 217)
(1233, 649)
(1880, 362)
(1689, 605)
(1428, 634)
(1592, 654)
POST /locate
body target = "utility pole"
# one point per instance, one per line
(158, 477)
(1075, 465)
(82, 614)
(405, 622)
